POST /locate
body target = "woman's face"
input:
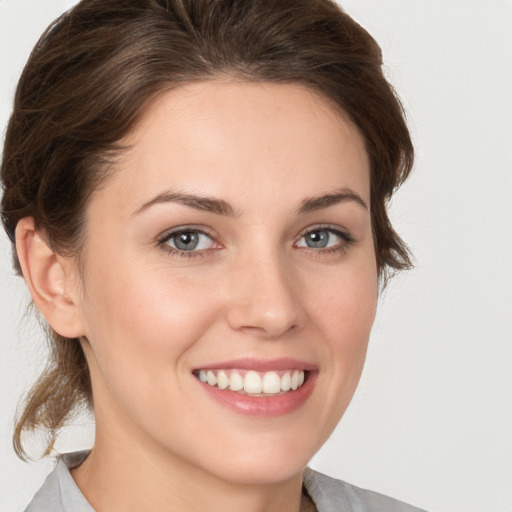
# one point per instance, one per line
(234, 245)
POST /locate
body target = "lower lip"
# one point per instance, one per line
(268, 406)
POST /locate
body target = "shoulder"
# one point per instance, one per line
(59, 492)
(331, 495)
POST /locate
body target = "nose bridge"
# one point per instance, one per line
(264, 296)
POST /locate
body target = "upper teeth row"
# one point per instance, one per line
(253, 382)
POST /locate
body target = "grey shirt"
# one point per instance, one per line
(59, 493)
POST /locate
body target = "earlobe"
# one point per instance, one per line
(51, 280)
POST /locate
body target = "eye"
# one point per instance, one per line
(324, 238)
(188, 240)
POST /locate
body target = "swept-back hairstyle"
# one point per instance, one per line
(95, 70)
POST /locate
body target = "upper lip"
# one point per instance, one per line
(260, 365)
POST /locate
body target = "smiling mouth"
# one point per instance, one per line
(254, 383)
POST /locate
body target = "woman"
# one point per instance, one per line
(196, 192)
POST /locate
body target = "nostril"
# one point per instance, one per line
(270, 332)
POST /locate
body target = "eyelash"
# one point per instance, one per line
(346, 237)
(346, 240)
(162, 242)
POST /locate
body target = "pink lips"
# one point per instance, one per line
(271, 406)
(260, 365)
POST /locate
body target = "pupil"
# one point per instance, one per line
(186, 241)
(318, 239)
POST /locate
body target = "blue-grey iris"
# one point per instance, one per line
(317, 239)
(186, 241)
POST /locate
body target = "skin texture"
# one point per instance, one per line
(149, 317)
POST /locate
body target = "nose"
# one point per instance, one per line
(264, 298)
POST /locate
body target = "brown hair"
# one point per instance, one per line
(98, 66)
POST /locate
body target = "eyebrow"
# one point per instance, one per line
(208, 204)
(326, 200)
(221, 207)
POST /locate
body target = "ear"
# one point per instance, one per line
(51, 279)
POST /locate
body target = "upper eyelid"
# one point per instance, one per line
(163, 241)
(326, 227)
(168, 233)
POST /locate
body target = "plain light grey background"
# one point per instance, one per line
(431, 422)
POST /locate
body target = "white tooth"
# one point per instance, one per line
(286, 381)
(236, 382)
(222, 380)
(210, 378)
(295, 380)
(301, 378)
(202, 375)
(271, 383)
(252, 382)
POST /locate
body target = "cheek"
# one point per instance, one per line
(146, 314)
(345, 314)
(142, 326)
(346, 303)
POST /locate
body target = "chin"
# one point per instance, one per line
(265, 462)
(259, 472)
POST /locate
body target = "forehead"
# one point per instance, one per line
(239, 139)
